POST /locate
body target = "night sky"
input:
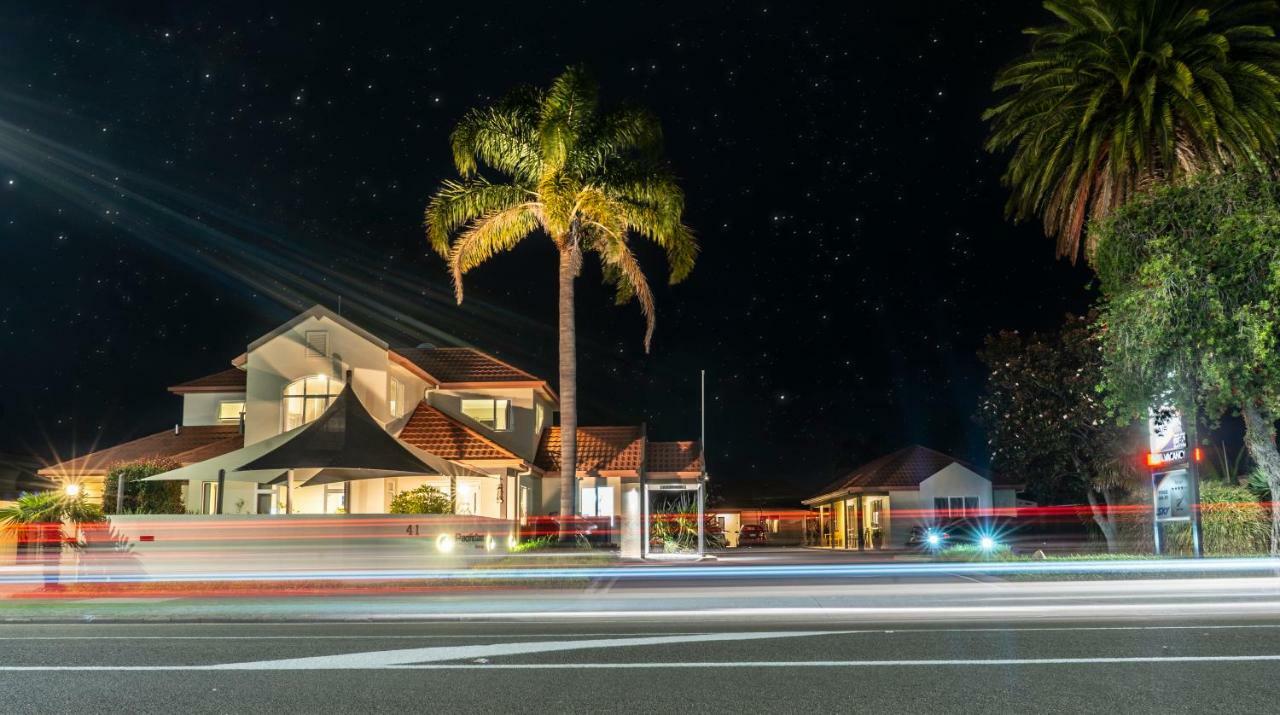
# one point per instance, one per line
(178, 180)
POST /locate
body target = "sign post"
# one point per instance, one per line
(1175, 489)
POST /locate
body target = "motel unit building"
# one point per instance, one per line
(490, 423)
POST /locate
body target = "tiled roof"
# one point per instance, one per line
(229, 380)
(674, 457)
(599, 449)
(449, 365)
(435, 432)
(190, 445)
(905, 469)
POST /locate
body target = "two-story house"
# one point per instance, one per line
(488, 417)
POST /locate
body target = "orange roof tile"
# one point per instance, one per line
(435, 432)
(449, 365)
(190, 445)
(230, 380)
(674, 457)
(599, 449)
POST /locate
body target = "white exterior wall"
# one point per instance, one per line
(283, 359)
(902, 512)
(201, 408)
(955, 480)
(520, 439)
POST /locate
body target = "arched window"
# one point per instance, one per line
(306, 398)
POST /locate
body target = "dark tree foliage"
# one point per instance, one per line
(1047, 424)
(1190, 277)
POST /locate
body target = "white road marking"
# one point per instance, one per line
(693, 664)
(383, 658)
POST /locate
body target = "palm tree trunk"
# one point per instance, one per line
(1260, 438)
(570, 263)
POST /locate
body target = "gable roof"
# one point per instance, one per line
(230, 380)
(434, 432)
(600, 449)
(462, 365)
(903, 469)
(317, 312)
(190, 445)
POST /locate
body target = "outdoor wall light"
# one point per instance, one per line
(512, 542)
(444, 543)
(489, 543)
(71, 490)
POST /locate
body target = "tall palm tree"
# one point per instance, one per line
(1118, 95)
(590, 180)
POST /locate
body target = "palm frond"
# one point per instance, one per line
(490, 234)
(1120, 94)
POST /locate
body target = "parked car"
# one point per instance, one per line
(752, 535)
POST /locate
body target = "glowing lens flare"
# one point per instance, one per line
(444, 543)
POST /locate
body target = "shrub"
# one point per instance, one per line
(1233, 522)
(534, 544)
(423, 500)
(973, 552)
(143, 497)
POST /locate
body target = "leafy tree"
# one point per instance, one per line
(143, 497)
(1190, 277)
(1046, 423)
(423, 500)
(589, 180)
(1119, 95)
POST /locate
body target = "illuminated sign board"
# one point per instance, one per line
(1168, 438)
(1172, 492)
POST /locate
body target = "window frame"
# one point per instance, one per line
(333, 388)
(506, 412)
(233, 420)
(396, 396)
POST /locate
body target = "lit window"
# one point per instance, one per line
(468, 499)
(494, 414)
(209, 497)
(596, 501)
(230, 411)
(955, 506)
(395, 398)
(539, 419)
(306, 399)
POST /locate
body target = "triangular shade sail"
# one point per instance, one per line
(345, 437)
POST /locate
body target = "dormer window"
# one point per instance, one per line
(395, 398)
(317, 343)
(494, 414)
(230, 412)
(306, 399)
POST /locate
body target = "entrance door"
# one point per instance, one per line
(335, 499)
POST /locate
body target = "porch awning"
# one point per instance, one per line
(345, 436)
(345, 443)
(230, 463)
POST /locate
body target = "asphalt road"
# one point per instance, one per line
(760, 664)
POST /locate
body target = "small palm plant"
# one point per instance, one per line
(1120, 95)
(589, 180)
(39, 517)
